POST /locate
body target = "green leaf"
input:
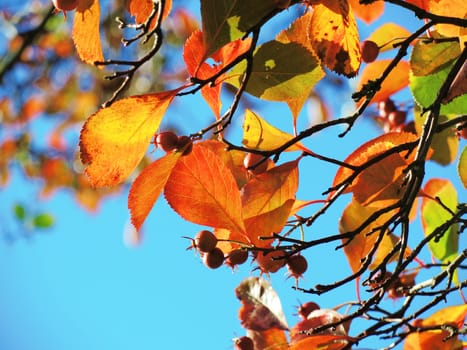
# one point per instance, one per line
(228, 20)
(445, 145)
(43, 220)
(430, 65)
(462, 167)
(434, 215)
(281, 71)
(19, 211)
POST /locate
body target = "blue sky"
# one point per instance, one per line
(79, 286)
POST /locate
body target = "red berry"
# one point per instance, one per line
(461, 130)
(167, 141)
(185, 143)
(214, 258)
(65, 5)
(244, 343)
(205, 241)
(370, 51)
(386, 107)
(397, 118)
(305, 309)
(236, 257)
(252, 163)
(270, 262)
(297, 265)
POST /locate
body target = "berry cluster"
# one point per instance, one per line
(394, 119)
(213, 257)
(168, 141)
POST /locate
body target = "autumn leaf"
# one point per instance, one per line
(438, 339)
(195, 54)
(228, 20)
(148, 186)
(115, 139)
(385, 175)
(368, 13)
(86, 35)
(142, 9)
(462, 167)
(261, 307)
(434, 215)
(201, 189)
(259, 134)
(395, 81)
(387, 35)
(362, 243)
(270, 339)
(334, 36)
(448, 8)
(322, 342)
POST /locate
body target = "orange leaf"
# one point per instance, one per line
(271, 339)
(452, 315)
(148, 186)
(142, 9)
(194, 54)
(114, 139)
(201, 189)
(388, 34)
(334, 36)
(322, 342)
(367, 13)
(86, 35)
(395, 81)
(370, 150)
(362, 243)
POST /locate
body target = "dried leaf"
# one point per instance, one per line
(334, 36)
(201, 189)
(114, 139)
(148, 186)
(261, 307)
(86, 35)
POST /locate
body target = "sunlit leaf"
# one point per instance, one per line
(367, 13)
(388, 34)
(429, 57)
(322, 342)
(385, 247)
(298, 33)
(86, 34)
(270, 339)
(334, 36)
(115, 139)
(228, 20)
(359, 247)
(438, 339)
(259, 134)
(457, 8)
(425, 88)
(462, 167)
(369, 150)
(201, 189)
(142, 9)
(435, 215)
(148, 186)
(261, 307)
(395, 81)
(42, 221)
(445, 144)
(280, 72)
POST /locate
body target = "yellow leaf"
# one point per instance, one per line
(114, 139)
(388, 34)
(367, 13)
(86, 34)
(334, 36)
(259, 134)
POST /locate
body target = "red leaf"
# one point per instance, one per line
(142, 9)
(203, 190)
(148, 186)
